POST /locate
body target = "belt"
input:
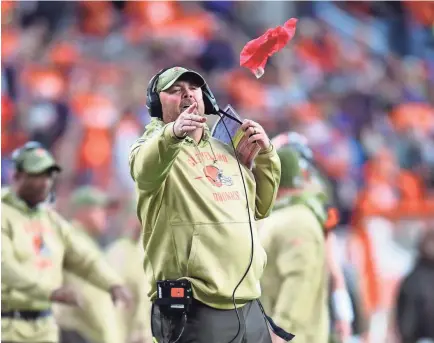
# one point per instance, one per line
(26, 315)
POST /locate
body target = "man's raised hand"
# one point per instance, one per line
(188, 122)
(256, 134)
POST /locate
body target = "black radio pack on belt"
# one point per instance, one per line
(174, 296)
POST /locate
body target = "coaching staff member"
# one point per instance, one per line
(192, 206)
(37, 246)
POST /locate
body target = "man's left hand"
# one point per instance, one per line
(256, 134)
(121, 294)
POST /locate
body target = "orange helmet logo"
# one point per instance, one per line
(216, 177)
(213, 174)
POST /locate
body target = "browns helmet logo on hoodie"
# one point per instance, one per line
(216, 177)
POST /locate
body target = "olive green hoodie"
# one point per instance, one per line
(194, 213)
(295, 279)
(37, 245)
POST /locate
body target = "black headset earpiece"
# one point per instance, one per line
(153, 103)
(211, 106)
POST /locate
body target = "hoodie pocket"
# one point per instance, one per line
(219, 256)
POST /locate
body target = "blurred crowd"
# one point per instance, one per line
(357, 81)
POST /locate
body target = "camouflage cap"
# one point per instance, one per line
(89, 196)
(37, 161)
(291, 175)
(170, 76)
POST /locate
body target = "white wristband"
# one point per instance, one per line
(342, 306)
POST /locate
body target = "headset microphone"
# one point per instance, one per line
(230, 116)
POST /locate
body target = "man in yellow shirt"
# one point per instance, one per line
(198, 207)
(37, 244)
(95, 321)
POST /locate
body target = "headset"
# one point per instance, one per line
(153, 104)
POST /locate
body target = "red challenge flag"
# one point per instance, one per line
(255, 53)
